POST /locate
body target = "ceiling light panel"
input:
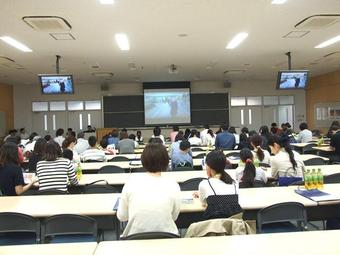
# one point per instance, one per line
(237, 40)
(278, 1)
(16, 44)
(328, 42)
(107, 2)
(122, 42)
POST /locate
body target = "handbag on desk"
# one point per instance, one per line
(222, 206)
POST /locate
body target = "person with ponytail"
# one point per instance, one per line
(247, 174)
(286, 162)
(219, 181)
(260, 154)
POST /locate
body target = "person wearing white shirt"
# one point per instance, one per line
(157, 134)
(305, 135)
(69, 143)
(203, 135)
(82, 144)
(194, 140)
(247, 174)
(59, 136)
(150, 202)
(93, 153)
(286, 162)
(260, 154)
(211, 137)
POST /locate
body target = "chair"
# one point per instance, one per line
(150, 235)
(17, 228)
(191, 184)
(201, 155)
(183, 168)
(94, 188)
(69, 228)
(277, 218)
(286, 181)
(308, 149)
(50, 192)
(196, 149)
(110, 169)
(256, 184)
(119, 159)
(138, 170)
(332, 178)
(314, 162)
(92, 161)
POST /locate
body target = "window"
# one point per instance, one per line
(286, 99)
(252, 101)
(93, 105)
(39, 106)
(57, 106)
(270, 100)
(75, 105)
(242, 117)
(238, 101)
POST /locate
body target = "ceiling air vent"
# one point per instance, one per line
(296, 34)
(234, 71)
(5, 60)
(335, 54)
(102, 74)
(62, 36)
(318, 21)
(47, 23)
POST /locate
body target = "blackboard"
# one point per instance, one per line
(128, 111)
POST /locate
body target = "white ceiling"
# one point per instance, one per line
(153, 27)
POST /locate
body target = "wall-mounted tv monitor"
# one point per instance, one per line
(56, 84)
(292, 79)
(167, 106)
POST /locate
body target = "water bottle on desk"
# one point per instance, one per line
(320, 179)
(79, 172)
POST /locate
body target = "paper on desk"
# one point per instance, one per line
(317, 195)
(135, 162)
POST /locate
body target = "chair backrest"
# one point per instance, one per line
(196, 149)
(314, 162)
(183, 168)
(256, 184)
(119, 159)
(18, 222)
(200, 155)
(332, 178)
(282, 212)
(68, 224)
(286, 181)
(191, 184)
(308, 149)
(138, 170)
(110, 169)
(95, 188)
(150, 235)
(92, 161)
(50, 192)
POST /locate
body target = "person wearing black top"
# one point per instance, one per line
(37, 155)
(335, 144)
(11, 177)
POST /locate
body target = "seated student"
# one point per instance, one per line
(286, 162)
(69, 143)
(54, 172)
(232, 130)
(82, 144)
(93, 153)
(173, 133)
(126, 145)
(330, 132)
(203, 135)
(133, 138)
(113, 138)
(218, 182)
(150, 202)
(247, 174)
(194, 140)
(11, 177)
(187, 133)
(182, 157)
(59, 136)
(264, 132)
(29, 146)
(16, 140)
(305, 135)
(107, 150)
(37, 155)
(244, 141)
(174, 147)
(139, 138)
(47, 138)
(260, 154)
(225, 140)
(211, 138)
(68, 154)
(157, 134)
(335, 143)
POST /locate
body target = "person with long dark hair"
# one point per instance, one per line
(37, 155)
(11, 177)
(264, 132)
(261, 155)
(219, 181)
(247, 174)
(286, 162)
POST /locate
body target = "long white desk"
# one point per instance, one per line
(311, 243)
(50, 249)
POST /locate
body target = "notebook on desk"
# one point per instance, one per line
(317, 195)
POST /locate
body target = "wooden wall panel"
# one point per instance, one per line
(322, 89)
(7, 104)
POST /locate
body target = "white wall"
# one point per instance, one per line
(25, 94)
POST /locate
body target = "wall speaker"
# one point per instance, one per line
(226, 84)
(104, 87)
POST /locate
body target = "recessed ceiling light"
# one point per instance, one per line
(328, 42)
(122, 41)
(237, 40)
(182, 35)
(9, 40)
(278, 1)
(106, 1)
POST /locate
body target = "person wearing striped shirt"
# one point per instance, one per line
(93, 153)
(55, 172)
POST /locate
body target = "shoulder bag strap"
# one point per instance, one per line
(211, 187)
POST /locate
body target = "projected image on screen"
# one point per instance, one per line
(56, 84)
(166, 106)
(293, 80)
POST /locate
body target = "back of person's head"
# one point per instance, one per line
(274, 130)
(47, 138)
(249, 171)
(206, 126)
(72, 133)
(68, 154)
(115, 132)
(103, 143)
(334, 128)
(274, 124)
(184, 145)
(155, 158)
(31, 137)
(14, 139)
(232, 130)
(156, 140)
(245, 130)
(175, 128)
(89, 128)
(335, 123)
(81, 135)
(68, 141)
(59, 132)
(179, 136)
(216, 160)
(123, 135)
(284, 126)
(13, 132)
(211, 133)
(22, 130)
(9, 154)
(187, 131)
(92, 141)
(52, 151)
(264, 130)
(303, 126)
(283, 142)
(288, 125)
(139, 133)
(243, 137)
(132, 136)
(224, 127)
(194, 133)
(40, 147)
(157, 131)
(252, 132)
(256, 142)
